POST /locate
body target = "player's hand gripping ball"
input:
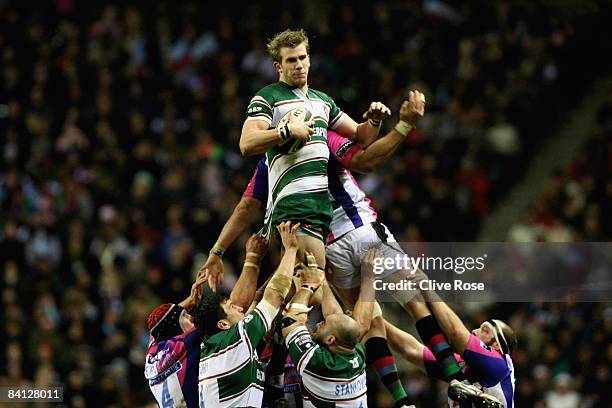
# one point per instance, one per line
(299, 115)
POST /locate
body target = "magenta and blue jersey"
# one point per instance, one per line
(483, 366)
(351, 207)
(171, 368)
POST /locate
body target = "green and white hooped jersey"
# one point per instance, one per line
(305, 170)
(329, 380)
(230, 374)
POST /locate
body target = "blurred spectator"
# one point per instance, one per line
(562, 396)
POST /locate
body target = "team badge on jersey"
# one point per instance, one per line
(304, 343)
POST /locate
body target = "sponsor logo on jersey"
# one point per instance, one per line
(304, 342)
(343, 148)
(165, 374)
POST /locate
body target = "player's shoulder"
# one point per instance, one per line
(221, 340)
(272, 93)
(320, 95)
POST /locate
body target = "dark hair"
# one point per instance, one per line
(208, 312)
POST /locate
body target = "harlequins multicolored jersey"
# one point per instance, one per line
(230, 374)
(484, 367)
(298, 180)
(329, 380)
(171, 368)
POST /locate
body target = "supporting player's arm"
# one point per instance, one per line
(243, 292)
(255, 193)
(280, 283)
(297, 310)
(364, 307)
(329, 303)
(194, 296)
(451, 324)
(236, 224)
(405, 345)
(369, 158)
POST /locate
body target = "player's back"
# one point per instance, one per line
(171, 369)
(334, 380)
(230, 374)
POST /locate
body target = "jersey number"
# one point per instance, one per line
(354, 362)
(167, 401)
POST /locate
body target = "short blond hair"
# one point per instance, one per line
(288, 38)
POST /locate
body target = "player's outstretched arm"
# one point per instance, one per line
(364, 133)
(405, 345)
(369, 158)
(364, 307)
(241, 217)
(280, 283)
(297, 309)
(458, 335)
(243, 292)
(195, 295)
(329, 303)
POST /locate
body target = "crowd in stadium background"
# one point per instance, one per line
(119, 128)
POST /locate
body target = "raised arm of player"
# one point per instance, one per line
(364, 307)
(451, 324)
(243, 292)
(254, 195)
(194, 296)
(329, 303)
(280, 283)
(369, 158)
(257, 138)
(405, 345)
(240, 219)
(364, 133)
(311, 279)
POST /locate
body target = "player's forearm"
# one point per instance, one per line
(301, 297)
(449, 322)
(377, 153)
(329, 304)
(405, 345)
(362, 313)
(244, 291)
(366, 133)
(258, 141)
(239, 220)
(280, 283)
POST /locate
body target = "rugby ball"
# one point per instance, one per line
(302, 114)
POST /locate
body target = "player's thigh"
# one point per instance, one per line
(313, 245)
(344, 259)
(348, 296)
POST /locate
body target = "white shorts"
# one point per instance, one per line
(346, 254)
